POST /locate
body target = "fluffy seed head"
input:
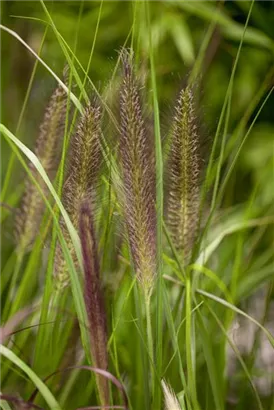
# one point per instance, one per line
(171, 402)
(48, 151)
(81, 182)
(184, 169)
(138, 175)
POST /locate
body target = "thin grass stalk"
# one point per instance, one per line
(81, 182)
(138, 179)
(216, 198)
(159, 209)
(227, 105)
(149, 338)
(237, 354)
(15, 274)
(94, 298)
(174, 339)
(137, 159)
(68, 59)
(189, 330)
(8, 173)
(231, 167)
(48, 150)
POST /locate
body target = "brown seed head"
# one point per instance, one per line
(138, 175)
(81, 182)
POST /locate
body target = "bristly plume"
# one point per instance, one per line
(171, 402)
(138, 176)
(81, 182)
(94, 298)
(184, 167)
(48, 151)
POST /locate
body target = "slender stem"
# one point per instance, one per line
(149, 338)
(12, 287)
(189, 345)
(159, 210)
(143, 399)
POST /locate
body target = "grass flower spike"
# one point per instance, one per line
(184, 169)
(94, 298)
(171, 402)
(81, 182)
(137, 163)
(48, 151)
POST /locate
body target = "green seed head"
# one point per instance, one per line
(184, 167)
(138, 175)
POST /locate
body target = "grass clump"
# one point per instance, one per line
(119, 299)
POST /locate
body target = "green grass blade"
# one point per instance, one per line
(239, 311)
(76, 286)
(238, 355)
(232, 227)
(43, 389)
(227, 104)
(229, 28)
(68, 58)
(5, 405)
(23, 109)
(190, 345)
(72, 96)
(228, 306)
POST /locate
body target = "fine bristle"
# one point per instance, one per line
(94, 298)
(81, 182)
(48, 151)
(138, 175)
(184, 168)
(171, 402)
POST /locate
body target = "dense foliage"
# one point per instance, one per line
(141, 243)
